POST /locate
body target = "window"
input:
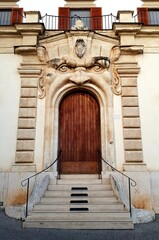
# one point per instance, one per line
(5, 17)
(153, 15)
(148, 16)
(92, 17)
(11, 16)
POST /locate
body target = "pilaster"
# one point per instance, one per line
(128, 70)
(27, 114)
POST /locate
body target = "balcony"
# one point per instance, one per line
(104, 22)
(10, 17)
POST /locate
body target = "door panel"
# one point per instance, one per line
(79, 133)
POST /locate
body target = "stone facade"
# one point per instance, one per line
(119, 67)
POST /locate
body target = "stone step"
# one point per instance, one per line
(73, 194)
(78, 181)
(79, 202)
(98, 187)
(92, 208)
(127, 224)
(79, 216)
(63, 200)
(79, 176)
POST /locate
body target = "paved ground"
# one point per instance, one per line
(11, 229)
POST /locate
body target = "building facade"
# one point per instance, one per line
(81, 88)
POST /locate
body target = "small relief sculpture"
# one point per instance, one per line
(116, 81)
(80, 47)
(79, 25)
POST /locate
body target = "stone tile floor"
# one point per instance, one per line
(11, 229)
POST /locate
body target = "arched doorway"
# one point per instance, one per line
(79, 133)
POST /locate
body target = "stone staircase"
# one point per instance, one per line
(79, 202)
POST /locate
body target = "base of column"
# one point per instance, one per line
(24, 167)
(134, 167)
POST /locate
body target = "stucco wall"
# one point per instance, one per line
(9, 107)
(148, 87)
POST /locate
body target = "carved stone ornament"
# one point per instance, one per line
(116, 81)
(79, 25)
(80, 47)
(41, 52)
(61, 71)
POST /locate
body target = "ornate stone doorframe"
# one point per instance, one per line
(98, 75)
(57, 84)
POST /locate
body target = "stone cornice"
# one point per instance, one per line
(32, 71)
(25, 50)
(30, 27)
(53, 38)
(132, 49)
(8, 30)
(94, 35)
(120, 28)
(149, 30)
(124, 69)
(138, 28)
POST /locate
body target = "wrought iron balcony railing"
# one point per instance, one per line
(59, 23)
(104, 22)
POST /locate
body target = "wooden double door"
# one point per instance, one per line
(79, 133)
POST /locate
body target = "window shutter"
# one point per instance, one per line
(143, 15)
(17, 15)
(96, 18)
(64, 18)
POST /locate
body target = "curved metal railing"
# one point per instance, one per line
(131, 182)
(26, 181)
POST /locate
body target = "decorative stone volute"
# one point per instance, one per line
(116, 81)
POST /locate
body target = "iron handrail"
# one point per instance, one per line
(131, 182)
(26, 181)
